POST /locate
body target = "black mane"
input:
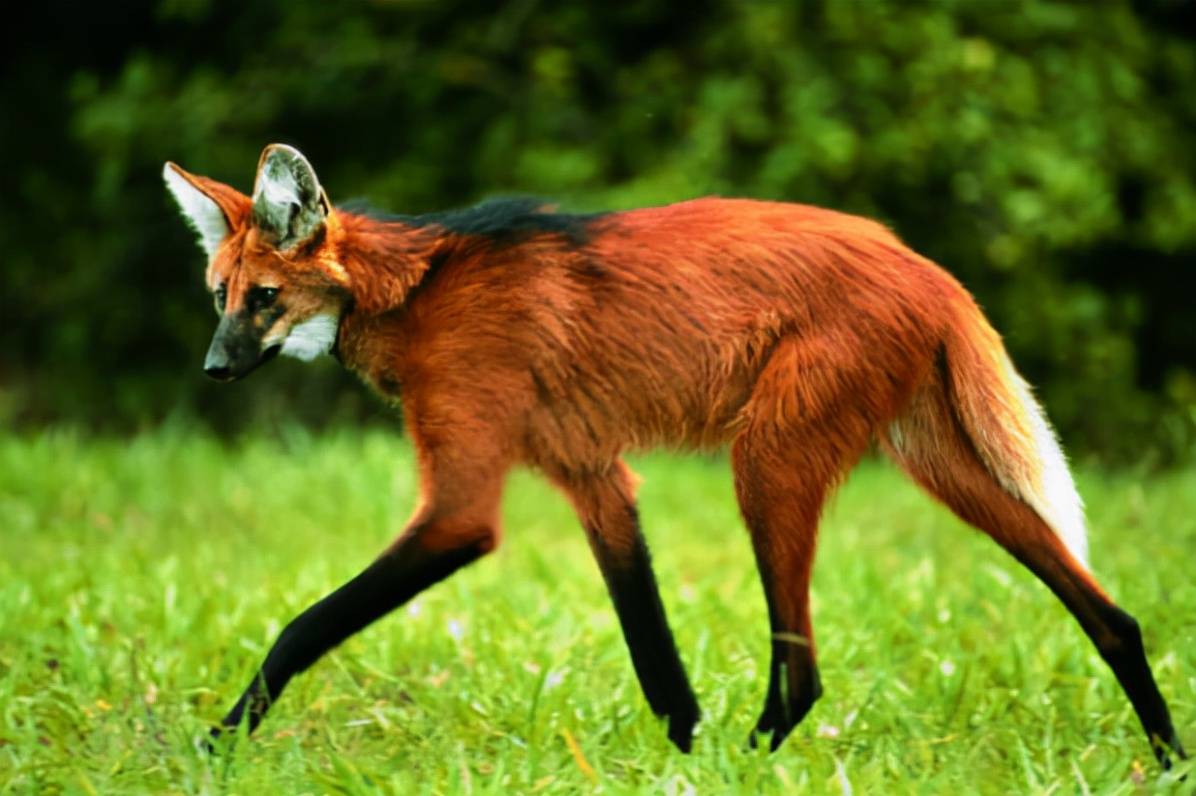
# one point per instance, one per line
(501, 220)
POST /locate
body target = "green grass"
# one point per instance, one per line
(142, 580)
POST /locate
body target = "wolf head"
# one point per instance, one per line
(272, 262)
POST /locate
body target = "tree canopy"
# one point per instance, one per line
(1042, 151)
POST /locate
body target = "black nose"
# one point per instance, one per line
(218, 363)
(219, 373)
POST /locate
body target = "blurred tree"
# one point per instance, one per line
(1040, 150)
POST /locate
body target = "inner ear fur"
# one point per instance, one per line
(289, 205)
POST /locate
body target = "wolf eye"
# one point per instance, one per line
(262, 297)
(221, 294)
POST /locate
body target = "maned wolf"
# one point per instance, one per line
(516, 335)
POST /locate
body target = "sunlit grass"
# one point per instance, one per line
(142, 580)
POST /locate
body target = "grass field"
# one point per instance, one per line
(142, 580)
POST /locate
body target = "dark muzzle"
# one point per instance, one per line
(236, 349)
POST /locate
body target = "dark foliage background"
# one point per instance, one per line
(1042, 151)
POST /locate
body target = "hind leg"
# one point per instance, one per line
(812, 413)
(930, 445)
(781, 487)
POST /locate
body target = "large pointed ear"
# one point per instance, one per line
(213, 209)
(289, 206)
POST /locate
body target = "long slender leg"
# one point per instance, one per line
(456, 524)
(780, 506)
(607, 510)
(809, 419)
(937, 454)
(1114, 632)
(394, 578)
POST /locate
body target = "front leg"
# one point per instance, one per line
(402, 572)
(457, 525)
(607, 510)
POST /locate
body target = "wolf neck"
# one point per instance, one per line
(385, 260)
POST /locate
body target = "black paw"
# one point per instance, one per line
(220, 739)
(1163, 750)
(776, 736)
(778, 719)
(681, 728)
(785, 708)
(214, 743)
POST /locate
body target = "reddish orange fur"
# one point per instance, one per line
(657, 332)
(794, 333)
(798, 332)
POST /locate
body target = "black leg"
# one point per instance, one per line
(1118, 639)
(627, 570)
(393, 579)
(780, 507)
(793, 682)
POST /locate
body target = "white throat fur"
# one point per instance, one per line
(314, 337)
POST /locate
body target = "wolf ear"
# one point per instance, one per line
(211, 208)
(289, 205)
